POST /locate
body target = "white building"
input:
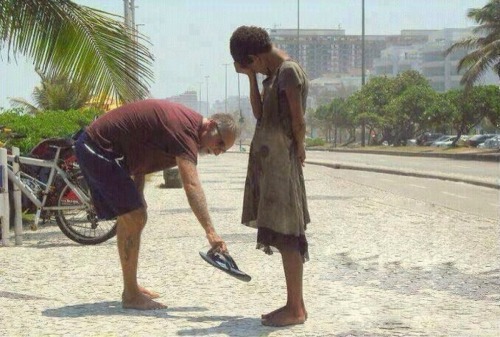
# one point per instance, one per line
(429, 59)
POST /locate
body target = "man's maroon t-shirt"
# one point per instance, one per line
(149, 133)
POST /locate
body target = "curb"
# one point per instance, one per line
(406, 173)
(485, 156)
(495, 157)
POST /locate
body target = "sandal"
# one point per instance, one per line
(225, 262)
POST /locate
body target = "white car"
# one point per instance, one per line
(460, 142)
(444, 141)
(491, 143)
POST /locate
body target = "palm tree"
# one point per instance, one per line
(486, 44)
(55, 93)
(86, 45)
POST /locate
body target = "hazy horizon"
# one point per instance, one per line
(189, 39)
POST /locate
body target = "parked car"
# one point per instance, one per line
(463, 140)
(460, 142)
(491, 143)
(443, 139)
(427, 138)
(411, 142)
(475, 140)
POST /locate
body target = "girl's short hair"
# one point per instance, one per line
(249, 40)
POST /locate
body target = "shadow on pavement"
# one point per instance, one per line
(113, 308)
(18, 296)
(355, 333)
(47, 236)
(230, 326)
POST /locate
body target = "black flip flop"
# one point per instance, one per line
(225, 262)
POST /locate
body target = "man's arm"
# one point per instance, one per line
(197, 200)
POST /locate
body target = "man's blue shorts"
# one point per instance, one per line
(113, 190)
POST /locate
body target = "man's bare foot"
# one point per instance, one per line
(283, 317)
(149, 293)
(140, 301)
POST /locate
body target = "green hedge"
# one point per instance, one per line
(43, 125)
(315, 142)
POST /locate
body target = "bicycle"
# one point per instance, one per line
(64, 194)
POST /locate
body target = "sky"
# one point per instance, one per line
(190, 38)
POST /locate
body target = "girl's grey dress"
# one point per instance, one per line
(275, 197)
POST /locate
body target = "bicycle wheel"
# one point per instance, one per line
(81, 224)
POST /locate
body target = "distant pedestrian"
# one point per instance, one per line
(116, 152)
(275, 198)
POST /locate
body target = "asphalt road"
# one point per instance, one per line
(466, 168)
(461, 197)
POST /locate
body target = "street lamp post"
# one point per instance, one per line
(363, 64)
(199, 99)
(206, 80)
(298, 31)
(225, 102)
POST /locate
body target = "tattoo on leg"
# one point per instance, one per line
(129, 244)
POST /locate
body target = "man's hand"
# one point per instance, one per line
(216, 242)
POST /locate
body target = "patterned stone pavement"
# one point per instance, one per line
(381, 265)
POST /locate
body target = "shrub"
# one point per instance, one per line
(43, 125)
(315, 142)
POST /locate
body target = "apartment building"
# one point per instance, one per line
(331, 51)
(190, 99)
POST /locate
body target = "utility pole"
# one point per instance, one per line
(200, 108)
(225, 102)
(129, 14)
(126, 13)
(363, 64)
(206, 79)
(298, 31)
(132, 13)
(130, 26)
(199, 99)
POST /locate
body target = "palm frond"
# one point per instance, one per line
(18, 102)
(89, 46)
(468, 43)
(496, 68)
(485, 45)
(477, 63)
(486, 28)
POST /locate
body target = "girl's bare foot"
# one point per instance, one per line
(140, 301)
(285, 317)
(149, 293)
(268, 315)
(272, 313)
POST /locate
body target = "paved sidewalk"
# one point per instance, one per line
(381, 265)
(492, 155)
